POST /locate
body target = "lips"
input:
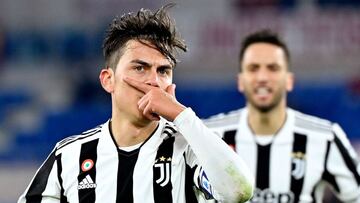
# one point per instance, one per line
(263, 91)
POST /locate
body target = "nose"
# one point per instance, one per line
(153, 79)
(262, 75)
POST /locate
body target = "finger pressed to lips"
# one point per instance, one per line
(137, 85)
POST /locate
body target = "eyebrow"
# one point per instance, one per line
(146, 64)
(141, 62)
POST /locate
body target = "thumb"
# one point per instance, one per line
(171, 89)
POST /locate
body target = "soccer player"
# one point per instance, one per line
(292, 155)
(153, 149)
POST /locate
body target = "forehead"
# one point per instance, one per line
(264, 52)
(144, 51)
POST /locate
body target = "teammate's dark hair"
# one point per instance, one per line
(144, 26)
(263, 36)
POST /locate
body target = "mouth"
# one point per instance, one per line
(263, 91)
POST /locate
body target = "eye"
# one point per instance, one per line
(139, 68)
(164, 70)
(273, 67)
(252, 67)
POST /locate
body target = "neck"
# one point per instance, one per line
(127, 133)
(266, 123)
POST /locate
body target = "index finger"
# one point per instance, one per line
(142, 87)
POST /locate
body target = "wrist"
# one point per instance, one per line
(175, 112)
(183, 117)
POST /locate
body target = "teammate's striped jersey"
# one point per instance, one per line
(303, 156)
(91, 168)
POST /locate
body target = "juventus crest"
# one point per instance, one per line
(163, 167)
(298, 165)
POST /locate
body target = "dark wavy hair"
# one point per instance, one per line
(145, 26)
(263, 36)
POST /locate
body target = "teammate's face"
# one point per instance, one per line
(143, 63)
(264, 78)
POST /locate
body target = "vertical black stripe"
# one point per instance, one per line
(162, 185)
(189, 183)
(327, 176)
(63, 198)
(298, 165)
(263, 166)
(350, 163)
(126, 165)
(229, 138)
(38, 185)
(87, 191)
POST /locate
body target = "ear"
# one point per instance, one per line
(107, 79)
(239, 82)
(290, 81)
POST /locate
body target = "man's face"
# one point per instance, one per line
(264, 78)
(143, 63)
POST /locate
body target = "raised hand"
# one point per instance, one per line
(156, 101)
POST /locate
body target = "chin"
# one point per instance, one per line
(264, 108)
(142, 121)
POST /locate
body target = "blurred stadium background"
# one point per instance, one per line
(50, 57)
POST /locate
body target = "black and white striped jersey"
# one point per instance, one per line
(305, 154)
(168, 167)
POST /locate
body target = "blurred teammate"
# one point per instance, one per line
(292, 155)
(152, 149)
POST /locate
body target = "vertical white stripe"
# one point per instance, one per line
(248, 153)
(315, 155)
(106, 168)
(178, 169)
(51, 182)
(178, 181)
(281, 157)
(245, 143)
(143, 177)
(70, 170)
(280, 166)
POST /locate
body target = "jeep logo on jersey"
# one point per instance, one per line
(87, 165)
(264, 196)
(298, 165)
(164, 167)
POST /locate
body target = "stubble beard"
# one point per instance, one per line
(265, 108)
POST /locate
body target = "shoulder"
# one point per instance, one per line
(224, 119)
(222, 123)
(314, 125)
(76, 141)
